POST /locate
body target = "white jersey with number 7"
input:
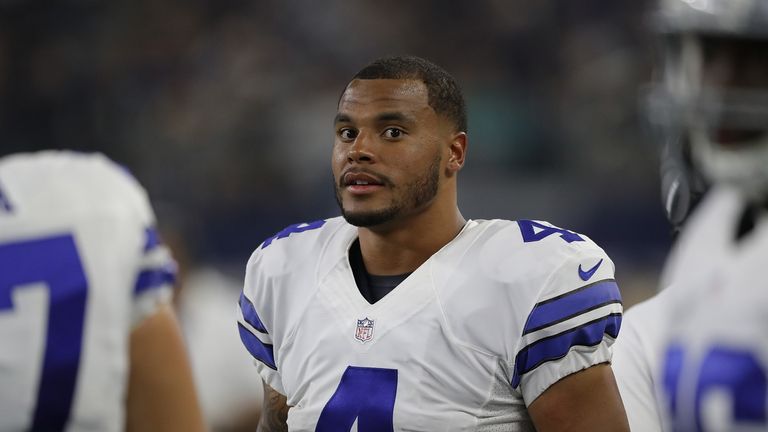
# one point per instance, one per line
(80, 265)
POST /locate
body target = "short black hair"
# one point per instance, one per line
(443, 92)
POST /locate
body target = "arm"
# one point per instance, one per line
(584, 401)
(274, 411)
(161, 394)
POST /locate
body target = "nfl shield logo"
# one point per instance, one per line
(364, 331)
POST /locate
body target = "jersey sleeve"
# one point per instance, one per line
(156, 274)
(572, 326)
(155, 270)
(255, 322)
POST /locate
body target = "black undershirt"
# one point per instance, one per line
(372, 287)
(749, 218)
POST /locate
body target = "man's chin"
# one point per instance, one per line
(369, 218)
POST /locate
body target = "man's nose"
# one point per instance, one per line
(361, 149)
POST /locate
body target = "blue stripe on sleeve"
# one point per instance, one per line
(258, 349)
(152, 239)
(557, 346)
(154, 278)
(250, 315)
(571, 304)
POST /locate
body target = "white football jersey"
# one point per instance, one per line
(714, 369)
(465, 343)
(80, 265)
(636, 356)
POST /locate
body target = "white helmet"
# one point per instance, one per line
(714, 87)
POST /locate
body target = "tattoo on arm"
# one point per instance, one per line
(274, 411)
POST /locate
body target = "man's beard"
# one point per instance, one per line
(417, 193)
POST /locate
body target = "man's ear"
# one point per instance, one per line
(458, 151)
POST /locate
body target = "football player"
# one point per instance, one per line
(89, 340)
(638, 350)
(713, 360)
(402, 314)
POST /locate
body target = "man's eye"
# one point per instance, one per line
(393, 133)
(347, 134)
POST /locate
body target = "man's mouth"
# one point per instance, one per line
(361, 183)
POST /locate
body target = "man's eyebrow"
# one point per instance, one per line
(397, 117)
(385, 117)
(342, 118)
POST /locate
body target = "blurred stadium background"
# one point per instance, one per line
(223, 109)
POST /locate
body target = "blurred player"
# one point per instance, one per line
(635, 361)
(713, 364)
(89, 341)
(402, 315)
(638, 351)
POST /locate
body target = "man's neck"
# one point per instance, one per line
(406, 245)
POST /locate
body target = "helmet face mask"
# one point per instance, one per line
(714, 88)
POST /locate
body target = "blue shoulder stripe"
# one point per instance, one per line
(152, 239)
(557, 346)
(296, 228)
(571, 304)
(250, 315)
(154, 278)
(258, 349)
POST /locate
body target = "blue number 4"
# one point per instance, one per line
(364, 394)
(533, 231)
(55, 262)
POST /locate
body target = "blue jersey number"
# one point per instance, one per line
(533, 231)
(365, 394)
(55, 262)
(734, 371)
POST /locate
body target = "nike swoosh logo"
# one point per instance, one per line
(585, 275)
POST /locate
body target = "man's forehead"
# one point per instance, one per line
(385, 91)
